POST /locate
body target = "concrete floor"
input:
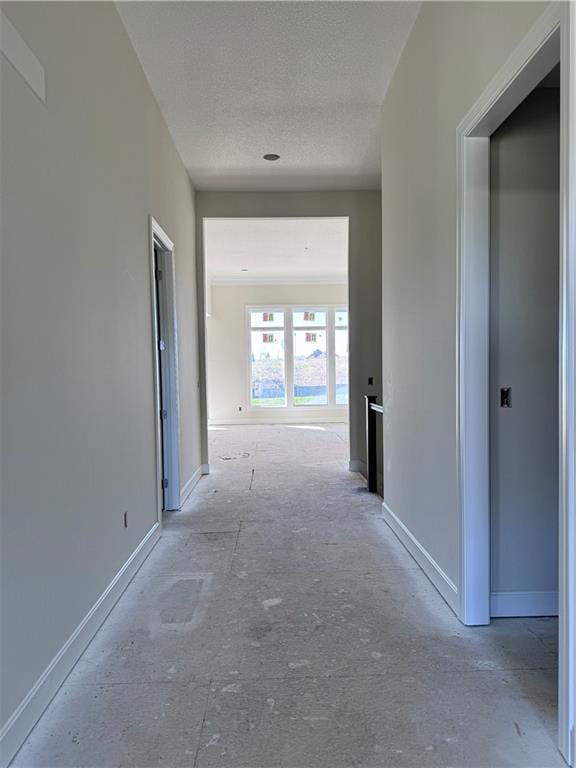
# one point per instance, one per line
(279, 623)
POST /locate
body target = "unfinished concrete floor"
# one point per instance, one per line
(279, 623)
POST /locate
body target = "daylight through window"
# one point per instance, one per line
(298, 357)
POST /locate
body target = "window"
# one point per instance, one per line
(298, 357)
(267, 370)
(310, 358)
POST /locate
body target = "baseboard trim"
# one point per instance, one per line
(191, 483)
(433, 571)
(299, 419)
(205, 469)
(510, 604)
(17, 728)
(357, 465)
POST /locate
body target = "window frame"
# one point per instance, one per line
(329, 357)
(335, 328)
(264, 328)
(289, 328)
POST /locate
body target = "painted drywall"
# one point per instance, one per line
(453, 52)
(524, 263)
(364, 278)
(80, 175)
(227, 348)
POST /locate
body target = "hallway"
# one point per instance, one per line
(279, 622)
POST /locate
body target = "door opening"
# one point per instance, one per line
(277, 352)
(166, 366)
(547, 44)
(523, 389)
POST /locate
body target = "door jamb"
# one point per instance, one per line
(551, 39)
(159, 240)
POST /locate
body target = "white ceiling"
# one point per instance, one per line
(305, 80)
(276, 250)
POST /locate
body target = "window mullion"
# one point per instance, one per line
(331, 356)
(289, 356)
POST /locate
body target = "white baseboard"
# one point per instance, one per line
(439, 579)
(357, 465)
(17, 728)
(190, 484)
(205, 469)
(316, 418)
(509, 604)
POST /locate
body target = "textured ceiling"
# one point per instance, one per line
(276, 250)
(306, 80)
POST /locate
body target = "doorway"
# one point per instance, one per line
(276, 297)
(166, 368)
(548, 43)
(524, 311)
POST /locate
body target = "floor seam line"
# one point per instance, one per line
(237, 539)
(201, 731)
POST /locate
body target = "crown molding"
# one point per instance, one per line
(281, 280)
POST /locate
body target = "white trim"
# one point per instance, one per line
(358, 465)
(156, 375)
(433, 571)
(278, 218)
(17, 728)
(205, 469)
(336, 306)
(22, 57)
(331, 355)
(509, 604)
(278, 280)
(172, 498)
(160, 235)
(191, 483)
(551, 39)
(472, 372)
(567, 400)
(284, 417)
(529, 63)
(171, 442)
(288, 363)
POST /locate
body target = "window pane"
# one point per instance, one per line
(341, 350)
(309, 318)
(341, 318)
(267, 377)
(268, 318)
(310, 371)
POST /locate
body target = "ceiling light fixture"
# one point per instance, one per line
(272, 157)
(243, 269)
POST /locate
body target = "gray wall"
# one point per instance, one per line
(80, 175)
(525, 184)
(364, 274)
(452, 54)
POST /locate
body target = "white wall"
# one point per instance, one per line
(452, 54)
(227, 348)
(80, 176)
(524, 266)
(364, 276)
